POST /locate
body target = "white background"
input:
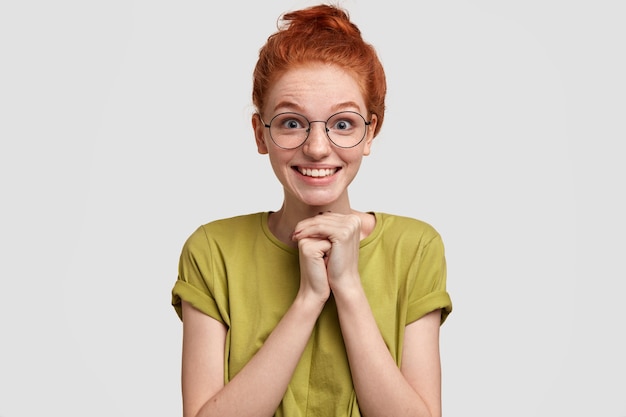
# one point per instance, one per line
(125, 124)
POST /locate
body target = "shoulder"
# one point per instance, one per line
(237, 222)
(397, 226)
(225, 228)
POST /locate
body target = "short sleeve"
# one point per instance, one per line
(429, 288)
(195, 283)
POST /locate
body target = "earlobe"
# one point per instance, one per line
(259, 134)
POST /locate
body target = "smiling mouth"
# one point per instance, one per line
(317, 173)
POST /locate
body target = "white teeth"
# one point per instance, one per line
(317, 172)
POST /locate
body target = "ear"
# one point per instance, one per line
(369, 136)
(259, 134)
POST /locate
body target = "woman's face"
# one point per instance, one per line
(316, 91)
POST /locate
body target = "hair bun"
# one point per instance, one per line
(319, 18)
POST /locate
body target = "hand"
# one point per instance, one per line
(313, 275)
(338, 237)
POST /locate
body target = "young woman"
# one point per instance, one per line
(315, 309)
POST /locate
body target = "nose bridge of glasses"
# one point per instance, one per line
(324, 122)
(324, 126)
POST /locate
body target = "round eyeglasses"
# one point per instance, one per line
(290, 130)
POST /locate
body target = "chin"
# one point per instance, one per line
(319, 201)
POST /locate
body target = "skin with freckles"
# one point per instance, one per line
(316, 91)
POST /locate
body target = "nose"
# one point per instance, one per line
(317, 144)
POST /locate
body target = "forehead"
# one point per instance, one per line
(315, 89)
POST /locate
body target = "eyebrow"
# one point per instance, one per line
(335, 108)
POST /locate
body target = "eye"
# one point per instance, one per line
(344, 122)
(292, 124)
(290, 121)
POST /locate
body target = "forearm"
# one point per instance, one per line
(381, 388)
(259, 387)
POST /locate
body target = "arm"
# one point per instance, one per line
(382, 388)
(259, 387)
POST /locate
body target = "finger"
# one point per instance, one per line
(314, 248)
(334, 228)
(321, 226)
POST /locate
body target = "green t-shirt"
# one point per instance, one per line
(236, 271)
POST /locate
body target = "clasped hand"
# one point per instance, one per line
(329, 252)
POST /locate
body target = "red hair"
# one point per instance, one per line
(324, 34)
